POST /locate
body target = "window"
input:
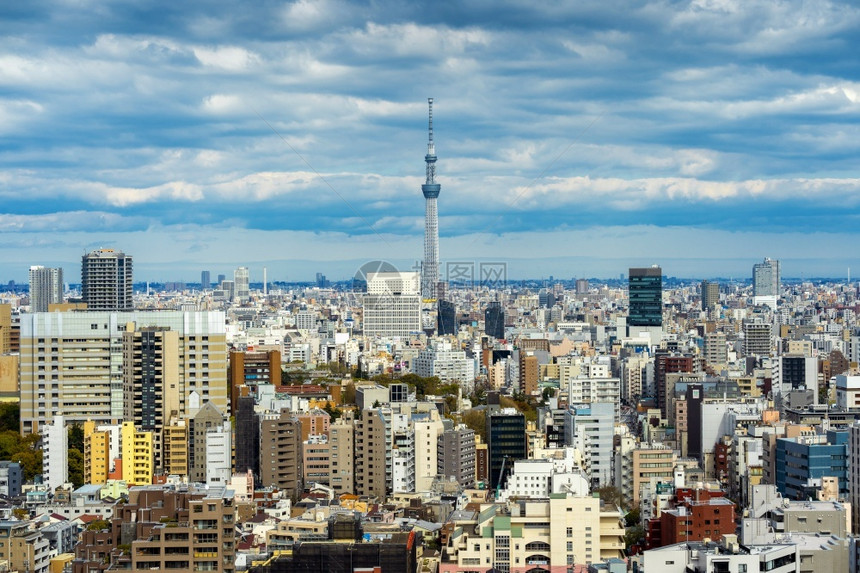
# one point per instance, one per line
(570, 532)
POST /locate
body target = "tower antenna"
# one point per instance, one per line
(430, 189)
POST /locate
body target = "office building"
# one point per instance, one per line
(430, 189)
(247, 437)
(581, 286)
(106, 280)
(444, 361)
(241, 281)
(766, 282)
(590, 427)
(494, 320)
(205, 280)
(802, 462)
(68, 355)
(46, 288)
(710, 295)
(506, 443)
(392, 305)
(645, 292)
(446, 318)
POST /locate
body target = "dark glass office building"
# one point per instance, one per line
(646, 297)
(494, 320)
(506, 443)
(446, 317)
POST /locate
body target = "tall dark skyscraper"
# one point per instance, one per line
(646, 297)
(205, 281)
(106, 281)
(506, 443)
(494, 320)
(446, 317)
(430, 189)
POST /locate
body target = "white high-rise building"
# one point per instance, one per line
(219, 455)
(241, 281)
(55, 453)
(46, 287)
(766, 281)
(441, 360)
(392, 305)
(106, 280)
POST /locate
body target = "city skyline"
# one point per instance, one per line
(579, 141)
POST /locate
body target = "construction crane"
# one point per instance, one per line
(501, 475)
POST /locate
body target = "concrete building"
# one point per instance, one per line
(766, 282)
(758, 338)
(209, 419)
(11, 478)
(252, 369)
(448, 364)
(802, 462)
(372, 454)
(696, 557)
(552, 534)
(392, 304)
(716, 352)
(138, 457)
(55, 453)
(174, 449)
(281, 452)
(67, 355)
(590, 428)
(24, 549)
(342, 456)
(455, 455)
(494, 320)
(181, 529)
(219, 455)
(106, 280)
(710, 295)
(241, 282)
(847, 391)
(46, 288)
(316, 460)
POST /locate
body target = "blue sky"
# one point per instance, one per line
(574, 138)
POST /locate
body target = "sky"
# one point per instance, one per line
(574, 139)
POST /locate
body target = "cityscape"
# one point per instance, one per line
(621, 336)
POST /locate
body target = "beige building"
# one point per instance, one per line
(371, 448)
(547, 534)
(174, 448)
(650, 463)
(73, 362)
(22, 548)
(281, 452)
(342, 455)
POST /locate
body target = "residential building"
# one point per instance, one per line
(710, 295)
(55, 452)
(456, 455)
(440, 359)
(138, 457)
(766, 282)
(106, 280)
(22, 548)
(280, 452)
(241, 282)
(46, 288)
(11, 479)
(66, 355)
(342, 455)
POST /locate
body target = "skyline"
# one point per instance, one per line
(579, 141)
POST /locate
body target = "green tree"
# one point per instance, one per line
(76, 437)
(610, 494)
(10, 416)
(476, 421)
(76, 467)
(632, 518)
(31, 463)
(634, 536)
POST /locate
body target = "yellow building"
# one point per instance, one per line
(97, 462)
(174, 446)
(137, 455)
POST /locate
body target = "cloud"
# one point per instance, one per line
(311, 116)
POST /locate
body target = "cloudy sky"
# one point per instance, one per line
(574, 138)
